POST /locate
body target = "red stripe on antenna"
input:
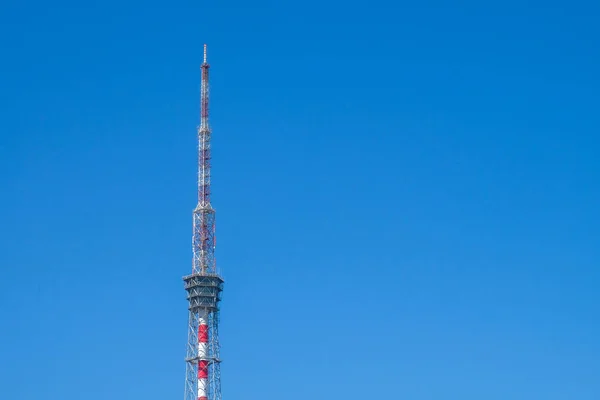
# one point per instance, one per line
(202, 369)
(203, 334)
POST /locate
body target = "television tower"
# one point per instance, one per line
(204, 285)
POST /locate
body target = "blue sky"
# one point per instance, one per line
(406, 197)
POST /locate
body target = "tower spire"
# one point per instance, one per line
(204, 140)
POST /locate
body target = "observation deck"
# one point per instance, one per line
(203, 291)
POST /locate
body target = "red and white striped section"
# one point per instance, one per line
(203, 356)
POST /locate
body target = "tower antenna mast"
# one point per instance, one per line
(204, 285)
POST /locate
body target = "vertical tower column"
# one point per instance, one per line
(204, 285)
(203, 355)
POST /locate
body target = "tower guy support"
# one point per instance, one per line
(204, 285)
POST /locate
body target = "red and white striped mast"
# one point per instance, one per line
(204, 285)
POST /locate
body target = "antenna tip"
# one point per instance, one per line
(204, 53)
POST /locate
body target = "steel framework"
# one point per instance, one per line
(204, 285)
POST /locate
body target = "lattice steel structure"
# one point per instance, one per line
(204, 285)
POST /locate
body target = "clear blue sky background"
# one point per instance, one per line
(407, 197)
